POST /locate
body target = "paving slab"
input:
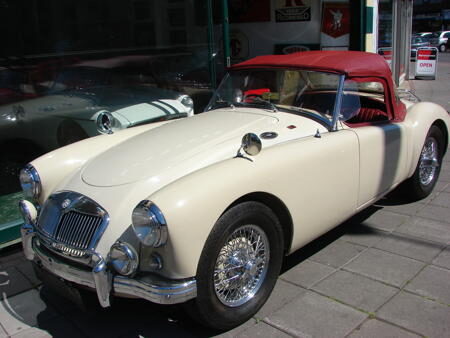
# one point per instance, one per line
(12, 282)
(32, 332)
(337, 253)
(386, 267)
(374, 328)
(426, 317)
(307, 273)
(412, 247)
(282, 294)
(262, 330)
(443, 259)
(432, 282)
(53, 328)
(444, 175)
(365, 235)
(426, 228)
(385, 220)
(238, 330)
(408, 209)
(27, 270)
(436, 213)
(23, 311)
(355, 290)
(313, 315)
(11, 256)
(441, 200)
(3, 333)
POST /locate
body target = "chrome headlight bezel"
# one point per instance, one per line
(30, 182)
(123, 258)
(105, 122)
(149, 224)
(188, 103)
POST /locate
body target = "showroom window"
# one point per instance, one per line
(63, 62)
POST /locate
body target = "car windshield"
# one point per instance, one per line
(295, 91)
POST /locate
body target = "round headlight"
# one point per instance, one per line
(105, 122)
(187, 101)
(149, 224)
(30, 182)
(123, 258)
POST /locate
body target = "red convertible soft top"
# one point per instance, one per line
(351, 63)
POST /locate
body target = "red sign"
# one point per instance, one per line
(336, 19)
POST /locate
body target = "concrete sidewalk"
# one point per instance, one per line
(383, 273)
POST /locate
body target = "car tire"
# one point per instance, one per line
(238, 267)
(422, 182)
(442, 48)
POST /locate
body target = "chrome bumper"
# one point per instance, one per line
(152, 288)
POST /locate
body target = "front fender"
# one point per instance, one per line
(420, 117)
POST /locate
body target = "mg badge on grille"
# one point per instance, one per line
(65, 203)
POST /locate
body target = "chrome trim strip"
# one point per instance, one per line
(151, 287)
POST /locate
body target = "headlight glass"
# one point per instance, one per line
(149, 224)
(30, 182)
(123, 258)
(187, 101)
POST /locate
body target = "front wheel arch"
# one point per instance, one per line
(441, 125)
(279, 209)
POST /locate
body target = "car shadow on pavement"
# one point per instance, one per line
(353, 225)
(125, 318)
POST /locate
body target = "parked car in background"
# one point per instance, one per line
(439, 40)
(426, 36)
(30, 128)
(202, 210)
(417, 42)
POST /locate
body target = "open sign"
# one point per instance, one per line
(426, 62)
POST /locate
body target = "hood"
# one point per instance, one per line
(166, 153)
(178, 147)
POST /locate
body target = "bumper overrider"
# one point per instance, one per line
(101, 278)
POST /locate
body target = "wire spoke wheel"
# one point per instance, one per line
(429, 161)
(241, 265)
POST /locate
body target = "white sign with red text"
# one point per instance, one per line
(426, 62)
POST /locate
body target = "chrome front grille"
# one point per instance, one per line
(76, 229)
(71, 224)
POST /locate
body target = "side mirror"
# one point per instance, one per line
(251, 144)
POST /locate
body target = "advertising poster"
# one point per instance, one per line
(292, 10)
(335, 33)
(249, 10)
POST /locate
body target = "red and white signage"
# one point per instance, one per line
(426, 62)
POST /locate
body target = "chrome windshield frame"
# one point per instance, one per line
(338, 103)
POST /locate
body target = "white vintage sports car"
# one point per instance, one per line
(202, 210)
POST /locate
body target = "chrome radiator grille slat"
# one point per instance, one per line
(76, 229)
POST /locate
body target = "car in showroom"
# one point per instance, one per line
(203, 210)
(32, 127)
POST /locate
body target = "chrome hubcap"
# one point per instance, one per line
(429, 162)
(242, 265)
